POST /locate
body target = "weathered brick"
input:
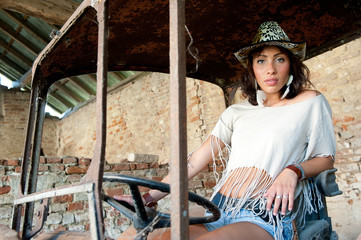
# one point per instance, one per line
(59, 228)
(74, 178)
(63, 199)
(162, 172)
(142, 166)
(195, 184)
(70, 160)
(57, 168)
(154, 165)
(209, 183)
(157, 178)
(218, 168)
(43, 168)
(5, 190)
(87, 227)
(132, 166)
(76, 170)
(120, 167)
(84, 161)
(11, 162)
(53, 160)
(114, 191)
(42, 160)
(122, 221)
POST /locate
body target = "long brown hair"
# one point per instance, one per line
(300, 73)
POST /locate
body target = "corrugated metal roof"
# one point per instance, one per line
(22, 38)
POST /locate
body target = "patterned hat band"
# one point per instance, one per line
(271, 34)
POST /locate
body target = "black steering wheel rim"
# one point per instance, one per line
(144, 216)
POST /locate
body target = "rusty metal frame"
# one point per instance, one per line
(92, 181)
(178, 121)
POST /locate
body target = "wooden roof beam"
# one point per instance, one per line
(52, 11)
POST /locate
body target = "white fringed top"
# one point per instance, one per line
(262, 141)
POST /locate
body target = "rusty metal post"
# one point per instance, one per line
(35, 161)
(95, 171)
(16, 218)
(178, 121)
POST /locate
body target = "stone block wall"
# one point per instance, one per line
(70, 212)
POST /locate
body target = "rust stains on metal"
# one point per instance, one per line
(138, 34)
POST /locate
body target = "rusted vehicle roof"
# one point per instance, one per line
(139, 35)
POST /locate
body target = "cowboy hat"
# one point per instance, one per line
(271, 34)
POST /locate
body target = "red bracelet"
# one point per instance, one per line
(149, 201)
(296, 170)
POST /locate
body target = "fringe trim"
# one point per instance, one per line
(309, 199)
(308, 202)
(222, 156)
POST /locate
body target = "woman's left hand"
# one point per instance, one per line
(282, 192)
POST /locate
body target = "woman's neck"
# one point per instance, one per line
(272, 99)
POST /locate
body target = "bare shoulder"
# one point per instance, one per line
(304, 95)
(307, 94)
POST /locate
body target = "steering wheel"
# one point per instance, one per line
(143, 218)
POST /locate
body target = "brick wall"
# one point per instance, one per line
(13, 115)
(14, 110)
(337, 74)
(138, 119)
(69, 212)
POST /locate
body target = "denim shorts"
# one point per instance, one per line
(245, 215)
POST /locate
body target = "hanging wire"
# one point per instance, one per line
(193, 51)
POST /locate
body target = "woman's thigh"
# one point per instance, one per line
(195, 231)
(238, 231)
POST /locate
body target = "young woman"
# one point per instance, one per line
(270, 145)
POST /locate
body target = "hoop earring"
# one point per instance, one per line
(260, 96)
(290, 79)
